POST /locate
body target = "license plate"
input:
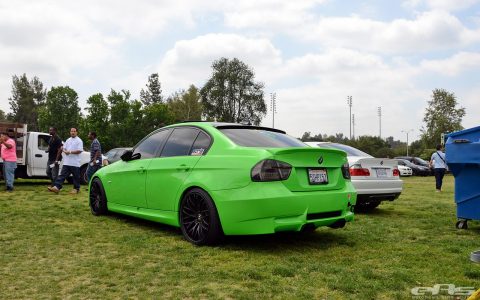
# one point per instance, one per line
(317, 176)
(381, 172)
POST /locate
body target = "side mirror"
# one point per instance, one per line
(127, 155)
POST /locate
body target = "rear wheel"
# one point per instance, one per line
(97, 198)
(199, 220)
(83, 175)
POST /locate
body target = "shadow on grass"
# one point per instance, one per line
(321, 239)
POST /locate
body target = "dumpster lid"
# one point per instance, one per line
(463, 132)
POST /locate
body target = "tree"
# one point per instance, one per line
(441, 116)
(61, 110)
(98, 120)
(119, 115)
(232, 95)
(27, 98)
(153, 93)
(3, 116)
(186, 106)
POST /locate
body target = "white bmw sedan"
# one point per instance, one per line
(375, 179)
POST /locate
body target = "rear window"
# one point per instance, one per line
(261, 138)
(350, 150)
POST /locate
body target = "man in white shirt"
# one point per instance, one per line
(71, 163)
(437, 161)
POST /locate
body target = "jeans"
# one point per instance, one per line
(9, 173)
(66, 171)
(439, 173)
(91, 170)
(52, 173)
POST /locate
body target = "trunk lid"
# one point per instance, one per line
(379, 168)
(311, 167)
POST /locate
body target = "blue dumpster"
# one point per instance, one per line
(462, 151)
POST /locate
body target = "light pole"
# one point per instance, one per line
(380, 121)
(407, 132)
(273, 107)
(349, 102)
(353, 125)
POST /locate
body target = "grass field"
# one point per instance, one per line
(52, 247)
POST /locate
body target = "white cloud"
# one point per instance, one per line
(190, 60)
(446, 5)
(454, 65)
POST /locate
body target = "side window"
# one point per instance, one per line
(180, 142)
(148, 147)
(200, 147)
(43, 142)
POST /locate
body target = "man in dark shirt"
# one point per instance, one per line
(54, 154)
(95, 155)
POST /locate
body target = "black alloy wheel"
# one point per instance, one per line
(97, 198)
(199, 218)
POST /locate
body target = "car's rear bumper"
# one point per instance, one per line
(377, 190)
(269, 207)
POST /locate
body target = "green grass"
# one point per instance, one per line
(52, 247)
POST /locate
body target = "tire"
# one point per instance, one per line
(462, 224)
(83, 175)
(97, 198)
(199, 220)
(366, 206)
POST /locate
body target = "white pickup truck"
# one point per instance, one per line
(32, 153)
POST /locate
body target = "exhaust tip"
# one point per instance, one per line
(338, 224)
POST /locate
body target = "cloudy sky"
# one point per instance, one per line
(311, 53)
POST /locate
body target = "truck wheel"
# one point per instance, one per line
(462, 224)
(83, 175)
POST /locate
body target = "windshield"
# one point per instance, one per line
(261, 138)
(350, 150)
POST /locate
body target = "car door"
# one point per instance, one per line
(40, 156)
(126, 180)
(166, 175)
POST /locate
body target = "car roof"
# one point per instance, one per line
(225, 125)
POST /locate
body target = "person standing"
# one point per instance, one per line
(9, 157)
(95, 155)
(54, 155)
(437, 161)
(71, 163)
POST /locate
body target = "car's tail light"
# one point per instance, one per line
(271, 170)
(357, 170)
(396, 172)
(346, 171)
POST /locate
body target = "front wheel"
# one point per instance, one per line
(97, 198)
(199, 220)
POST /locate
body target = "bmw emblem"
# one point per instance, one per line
(320, 160)
(381, 162)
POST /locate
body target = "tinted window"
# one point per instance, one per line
(148, 147)
(261, 138)
(180, 142)
(110, 154)
(201, 144)
(350, 150)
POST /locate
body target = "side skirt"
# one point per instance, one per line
(155, 215)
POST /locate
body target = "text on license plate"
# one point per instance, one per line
(381, 172)
(317, 176)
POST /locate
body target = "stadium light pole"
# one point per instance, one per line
(380, 121)
(353, 125)
(407, 132)
(273, 107)
(349, 102)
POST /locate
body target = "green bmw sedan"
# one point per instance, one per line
(214, 179)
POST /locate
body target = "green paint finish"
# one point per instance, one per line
(153, 188)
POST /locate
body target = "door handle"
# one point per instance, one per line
(141, 170)
(38, 155)
(183, 167)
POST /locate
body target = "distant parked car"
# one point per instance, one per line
(416, 169)
(415, 160)
(114, 154)
(375, 179)
(404, 170)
